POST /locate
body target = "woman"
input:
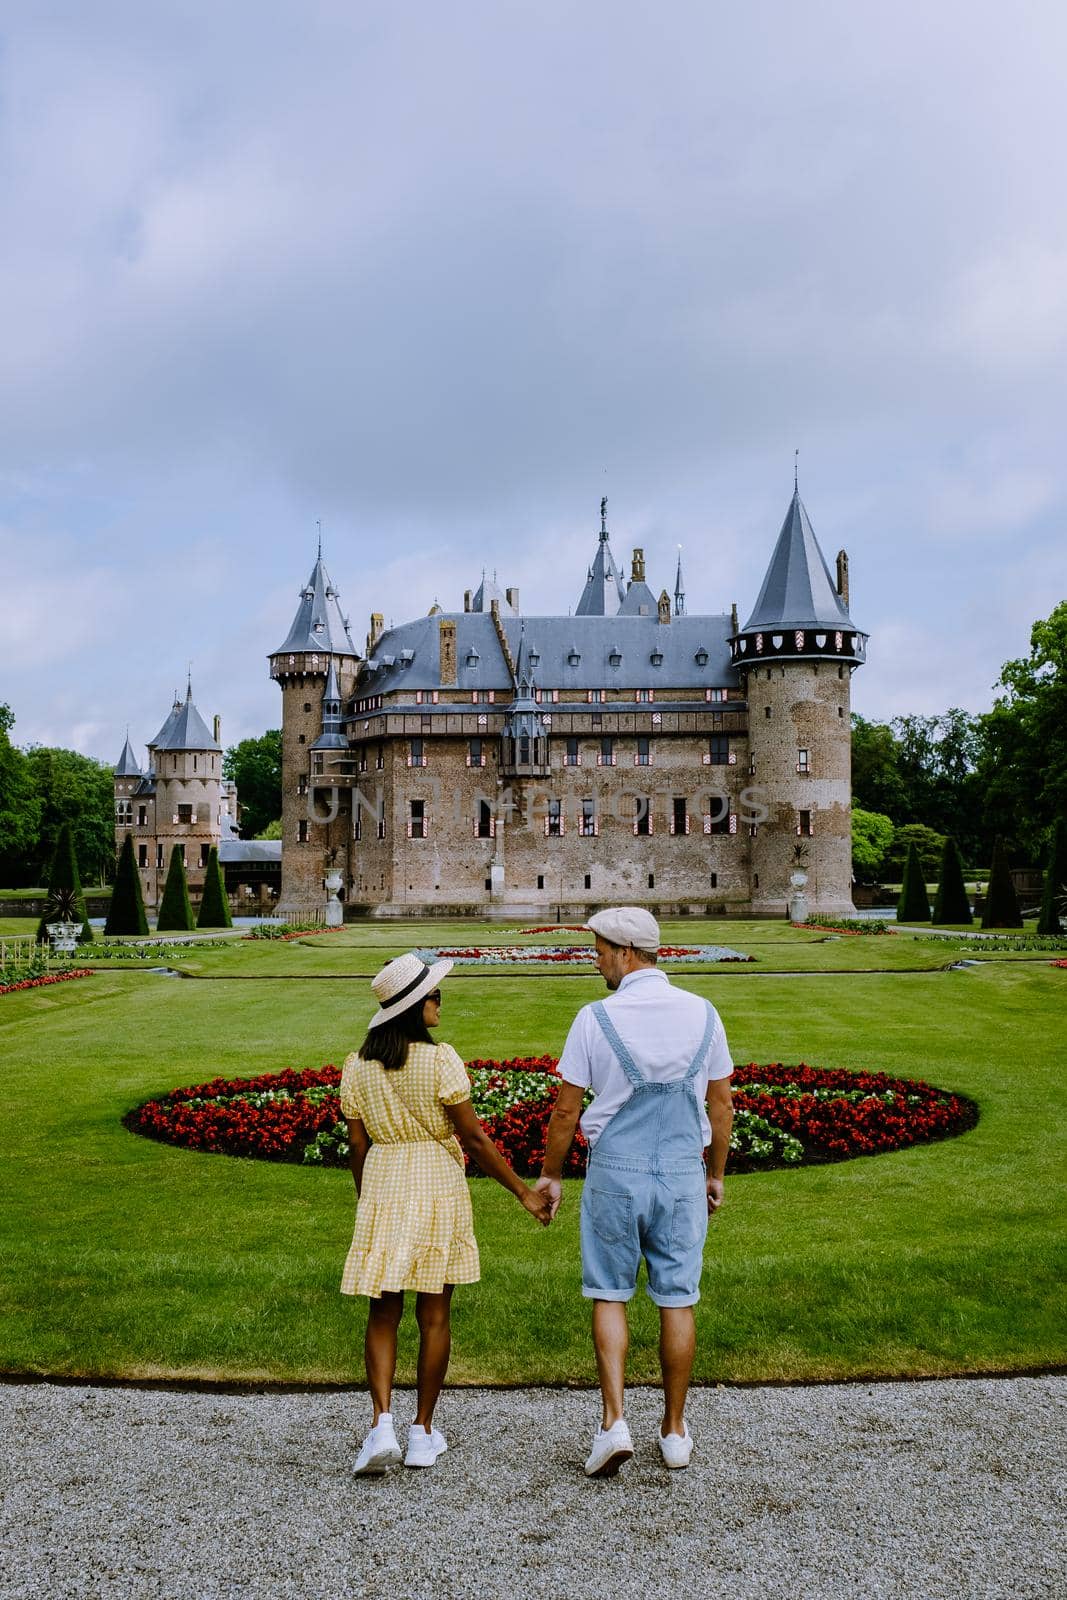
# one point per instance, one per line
(408, 1108)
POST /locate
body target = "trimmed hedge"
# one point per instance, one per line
(914, 902)
(214, 907)
(126, 914)
(1001, 904)
(1054, 893)
(66, 902)
(951, 903)
(175, 909)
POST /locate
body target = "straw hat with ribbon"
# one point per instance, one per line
(403, 983)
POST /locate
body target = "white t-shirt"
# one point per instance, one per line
(661, 1026)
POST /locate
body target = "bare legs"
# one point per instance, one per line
(677, 1344)
(435, 1343)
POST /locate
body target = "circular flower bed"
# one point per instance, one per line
(487, 955)
(783, 1115)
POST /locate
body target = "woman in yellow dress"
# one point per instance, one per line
(407, 1104)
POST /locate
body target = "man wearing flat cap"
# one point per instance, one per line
(656, 1061)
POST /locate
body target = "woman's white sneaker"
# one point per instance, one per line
(611, 1447)
(676, 1448)
(424, 1446)
(379, 1449)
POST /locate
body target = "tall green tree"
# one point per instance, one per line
(214, 907)
(876, 781)
(126, 912)
(1054, 889)
(255, 765)
(914, 902)
(1024, 767)
(65, 901)
(951, 903)
(872, 834)
(1001, 902)
(73, 788)
(20, 809)
(917, 836)
(175, 908)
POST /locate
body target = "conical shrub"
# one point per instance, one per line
(175, 909)
(1001, 905)
(214, 907)
(65, 901)
(127, 903)
(951, 903)
(914, 902)
(1054, 893)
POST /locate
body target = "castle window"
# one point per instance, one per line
(588, 822)
(606, 758)
(642, 815)
(301, 784)
(715, 880)
(194, 763)
(379, 760)
(652, 880)
(840, 672)
(803, 760)
(588, 881)
(142, 816)
(316, 763)
(716, 696)
(717, 819)
(643, 758)
(475, 753)
(573, 754)
(804, 828)
(425, 723)
(185, 815)
(540, 880)
(302, 738)
(417, 820)
(142, 855)
(679, 814)
(766, 711)
(719, 753)
(159, 855)
(554, 820)
(302, 831)
(381, 826)
(597, 719)
(307, 705)
(416, 753)
(840, 711)
(484, 821)
(205, 851)
(596, 697)
(644, 696)
(755, 880)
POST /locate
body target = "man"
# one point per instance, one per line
(654, 1057)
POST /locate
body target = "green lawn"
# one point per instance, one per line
(120, 1256)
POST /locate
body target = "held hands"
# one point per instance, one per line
(553, 1189)
(716, 1194)
(537, 1204)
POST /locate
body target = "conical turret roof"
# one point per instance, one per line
(160, 740)
(185, 729)
(604, 593)
(127, 766)
(798, 591)
(319, 624)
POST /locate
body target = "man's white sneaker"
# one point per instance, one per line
(676, 1448)
(611, 1447)
(424, 1446)
(379, 1449)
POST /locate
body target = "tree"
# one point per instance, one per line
(273, 830)
(255, 765)
(214, 907)
(175, 910)
(925, 840)
(1054, 892)
(1024, 769)
(876, 782)
(914, 902)
(951, 903)
(126, 914)
(1001, 905)
(73, 788)
(65, 902)
(872, 835)
(20, 808)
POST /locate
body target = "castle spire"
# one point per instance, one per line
(320, 625)
(604, 591)
(679, 588)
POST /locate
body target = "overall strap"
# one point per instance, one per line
(698, 1060)
(622, 1055)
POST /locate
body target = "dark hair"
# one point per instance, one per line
(389, 1042)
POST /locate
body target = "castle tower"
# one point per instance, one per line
(186, 759)
(315, 668)
(603, 594)
(796, 655)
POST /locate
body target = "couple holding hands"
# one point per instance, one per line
(655, 1059)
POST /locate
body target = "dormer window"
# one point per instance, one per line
(534, 657)
(473, 657)
(701, 657)
(656, 658)
(615, 656)
(573, 656)
(319, 628)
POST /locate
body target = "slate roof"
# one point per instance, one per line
(234, 850)
(319, 623)
(549, 641)
(185, 729)
(159, 742)
(128, 766)
(488, 591)
(798, 591)
(604, 592)
(638, 595)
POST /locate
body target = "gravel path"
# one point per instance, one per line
(916, 1490)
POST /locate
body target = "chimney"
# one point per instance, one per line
(512, 598)
(733, 617)
(377, 628)
(842, 575)
(637, 567)
(446, 632)
(466, 599)
(217, 728)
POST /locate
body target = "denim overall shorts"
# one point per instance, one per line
(645, 1192)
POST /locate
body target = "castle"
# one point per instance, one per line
(180, 799)
(486, 762)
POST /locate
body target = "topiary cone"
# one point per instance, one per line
(951, 903)
(914, 902)
(214, 907)
(65, 902)
(1001, 904)
(126, 914)
(175, 909)
(1054, 891)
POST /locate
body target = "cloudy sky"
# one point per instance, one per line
(440, 276)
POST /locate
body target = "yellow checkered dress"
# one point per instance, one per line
(414, 1227)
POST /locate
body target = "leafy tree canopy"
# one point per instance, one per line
(872, 834)
(1025, 765)
(255, 765)
(927, 841)
(20, 807)
(75, 789)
